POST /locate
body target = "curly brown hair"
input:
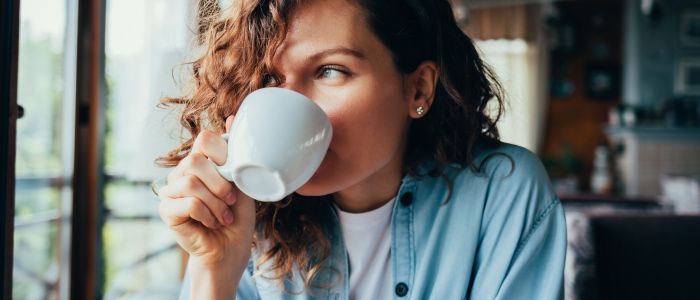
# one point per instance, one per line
(239, 47)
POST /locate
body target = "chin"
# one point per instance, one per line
(320, 183)
(315, 187)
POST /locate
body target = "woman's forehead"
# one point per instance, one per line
(316, 26)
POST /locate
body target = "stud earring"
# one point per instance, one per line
(420, 110)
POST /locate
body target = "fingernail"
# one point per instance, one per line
(230, 198)
(228, 217)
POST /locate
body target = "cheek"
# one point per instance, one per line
(369, 120)
(362, 144)
(368, 125)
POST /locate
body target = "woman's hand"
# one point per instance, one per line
(211, 219)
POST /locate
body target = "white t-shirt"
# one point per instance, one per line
(368, 241)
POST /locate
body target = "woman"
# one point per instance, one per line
(416, 197)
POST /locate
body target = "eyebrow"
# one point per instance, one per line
(339, 50)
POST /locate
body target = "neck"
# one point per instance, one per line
(374, 191)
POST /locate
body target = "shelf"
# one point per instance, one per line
(610, 199)
(655, 132)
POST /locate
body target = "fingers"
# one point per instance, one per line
(212, 145)
(196, 164)
(195, 188)
(175, 212)
(190, 187)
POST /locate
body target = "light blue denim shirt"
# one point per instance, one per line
(500, 235)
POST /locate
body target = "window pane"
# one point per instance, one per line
(40, 87)
(36, 265)
(33, 199)
(44, 159)
(146, 41)
(146, 44)
(142, 259)
(516, 65)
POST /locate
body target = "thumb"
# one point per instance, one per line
(229, 123)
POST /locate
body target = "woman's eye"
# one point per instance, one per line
(332, 73)
(270, 80)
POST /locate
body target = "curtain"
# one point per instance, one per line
(511, 41)
(511, 22)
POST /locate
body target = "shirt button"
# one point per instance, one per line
(407, 199)
(401, 289)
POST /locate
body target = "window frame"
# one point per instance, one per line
(9, 31)
(86, 222)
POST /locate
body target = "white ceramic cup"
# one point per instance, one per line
(276, 143)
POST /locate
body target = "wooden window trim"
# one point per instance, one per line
(86, 271)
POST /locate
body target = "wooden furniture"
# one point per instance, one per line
(647, 256)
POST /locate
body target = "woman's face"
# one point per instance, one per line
(331, 55)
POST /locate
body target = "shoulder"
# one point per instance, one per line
(507, 161)
(503, 168)
(504, 165)
(509, 182)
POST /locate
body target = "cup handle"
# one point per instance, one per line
(224, 169)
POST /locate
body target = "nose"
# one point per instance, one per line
(296, 86)
(306, 90)
(291, 85)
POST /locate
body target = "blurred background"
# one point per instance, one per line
(606, 92)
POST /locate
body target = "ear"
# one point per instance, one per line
(420, 88)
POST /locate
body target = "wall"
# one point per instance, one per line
(652, 50)
(586, 33)
(645, 47)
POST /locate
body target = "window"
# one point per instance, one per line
(517, 64)
(145, 44)
(511, 39)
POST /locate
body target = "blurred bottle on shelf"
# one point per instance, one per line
(601, 177)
